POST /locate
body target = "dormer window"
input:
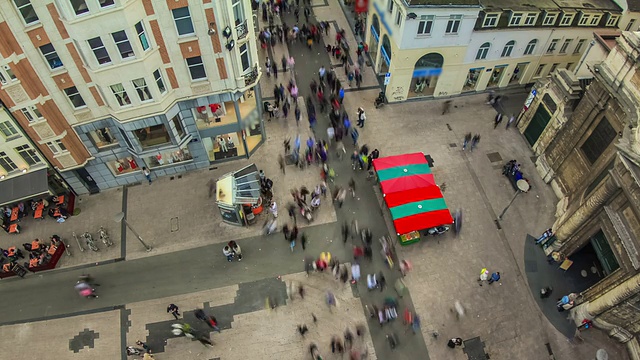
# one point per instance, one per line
(550, 19)
(515, 19)
(585, 20)
(490, 20)
(567, 19)
(613, 20)
(530, 19)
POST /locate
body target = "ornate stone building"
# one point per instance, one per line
(585, 136)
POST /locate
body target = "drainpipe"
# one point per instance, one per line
(584, 57)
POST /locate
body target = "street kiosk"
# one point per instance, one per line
(238, 196)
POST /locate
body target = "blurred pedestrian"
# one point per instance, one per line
(345, 232)
(355, 272)
(144, 346)
(474, 141)
(454, 342)
(465, 142)
(331, 300)
(303, 241)
(273, 208)
(174, 310)
(281, 163)
(302, 329)
(446, 106)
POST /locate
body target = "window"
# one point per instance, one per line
(508, 48)
(490, 20)
(569, 66)
(567, 19)
(26, 11)
(482, 51)
(552, 46)
(102, 138)
(121, 94)
(390, 6)
(238, 11)
(244, 57)
(51, 56)
(157, 76)
(196, 68)
(153, 136)
(550, 19)
(183, 22)
(3, 80)
(515, 19)
(74, 96)
(123, 44)
(595, 20)
(6, 163)
(79, 7)
(399, 18)
(142, 89)
(530, 20)
(553, 68)
(539, 70)
(106, 3)
(177, 124)
(28, 154)
(142, 36)
(123, 166)
(613, 20)
(565, 45)
(598, 141)
(454, 24)
(579, 46)
(584, 19)
(7, 129)
(28, 115)
(56, 147)
(171, 157)
(100, 52)
(9, 72)
(531, 46)
(425, 25)
(630, 25)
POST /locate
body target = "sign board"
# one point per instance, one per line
(387, 78)
(529, 100)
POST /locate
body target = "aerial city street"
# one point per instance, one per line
(319, 179)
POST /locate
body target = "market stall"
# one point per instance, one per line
(238, 196)
(411, 195)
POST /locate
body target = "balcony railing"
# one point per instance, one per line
(251, 76)
(242, 30)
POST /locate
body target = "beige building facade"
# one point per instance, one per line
(127, 84)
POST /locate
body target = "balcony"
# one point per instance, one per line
(251, 76)
(242, 30)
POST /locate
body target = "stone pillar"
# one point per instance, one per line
(597, 199)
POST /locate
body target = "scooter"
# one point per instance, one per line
(438, 230)
(104, 237)
(379, 101)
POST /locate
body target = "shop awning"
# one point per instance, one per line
(411, 193)
(24, 187)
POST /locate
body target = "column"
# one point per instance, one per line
(593, 204)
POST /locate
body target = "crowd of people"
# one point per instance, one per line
(39, 254)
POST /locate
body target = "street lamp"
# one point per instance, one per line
(523, 186)
(120, 217)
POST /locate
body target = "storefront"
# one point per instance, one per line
(238, 196)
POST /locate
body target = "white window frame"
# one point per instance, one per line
(483, 51)
(189, 66)
(27, 150)
(25, 7)
(159, 79)
(56, 147)
(539, 71)
(612, 20)
(107, 3)
(453, 25)
(516, 16)
(98, 48)
(6, 159)
(630, 25)
(8, 130)
(28, 115)
(595, 20)
(508, 48)
(399, 18)
(120, 94)
(84, 10)
(530, 19)
(68, 92)
(550, 19)
(490, 20)
(531, 47)
(54, 53)
(142, 34)
(245, 52)
(390, 7)
(123, 42)
(427, 22)
(175, 21)
(565, 46)
(567, 19)
(239, 15)
(584, 19)
(579, 46)
(144, 88)
(552, 46)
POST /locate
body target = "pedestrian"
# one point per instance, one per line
(204, 340)
(355, 272)
(331, 300)
(484, 276)
(144, 346)
(226, 250)
(454, 342)
(274, 68)
(354, 136)
(297, 114)
(381, 281)
(545, 235)
(474, 141)
(465, 142)
(273, 208)
(405, 267)
(374, 155)
(174, 310)
(497, 120)
(292, 238)
(348, 339)
(302, 329)
(303, 241)
(291, 209)
(494, 277)
(286, 232)
(304, 192)
(446, 106)
(301, 291)
(291, 62)
(267, 65)
(415, 326)
(342, 194)
(284, 63)
(512, 118)
(352, 187)
(281, 163)
(361, 117)
(146, 173)
(345, 232)
(148, 356)
(236, 249)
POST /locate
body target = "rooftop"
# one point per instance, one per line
(444, 3)
(550, 5)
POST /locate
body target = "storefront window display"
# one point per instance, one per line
(153, 136)
(247, 104)
(178, 125)
(224, 146)
(102, 138)
(253, 136)
(214, 115)
(472, 79)
(168, 158)
(124, 166)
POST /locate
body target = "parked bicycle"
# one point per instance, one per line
(104, 237)
(89, 240)
(78, 241)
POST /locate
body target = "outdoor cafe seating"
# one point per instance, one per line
(41, 257)
(56, 207)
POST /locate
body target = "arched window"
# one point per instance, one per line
(530, 47)
(483, 51)
(508, 48)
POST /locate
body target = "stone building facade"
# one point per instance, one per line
(585, 136)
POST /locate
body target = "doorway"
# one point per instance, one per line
(496, 76)
(426, 73)
(518, 72)
(374, 40)
(87, 180)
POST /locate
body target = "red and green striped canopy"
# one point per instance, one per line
(411, 193)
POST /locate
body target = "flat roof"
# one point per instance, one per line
(495, 5)
(444, 3)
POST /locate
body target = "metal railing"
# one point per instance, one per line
(251, 76)
(241, 30)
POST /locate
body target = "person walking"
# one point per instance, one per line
(297, 115)
(331, 300)
(345, 232)
(512, 118)
(352, 187)
(267, 65)
(374, 155)
(226, 251)
(235, 248)
(361, 117)
(174, 310)
(303, 241)
(497, 120)
(484, 276)
(147, 174)
(274, 68)
(146, 347)
(286, 232)
(354, 136)
(494, 277)
(292, 237)
(474, 141)
(465, 142)
(446, 106)
(273, 208)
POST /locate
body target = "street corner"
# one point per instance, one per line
(92, 337)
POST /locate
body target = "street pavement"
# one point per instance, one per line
(187, 267)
